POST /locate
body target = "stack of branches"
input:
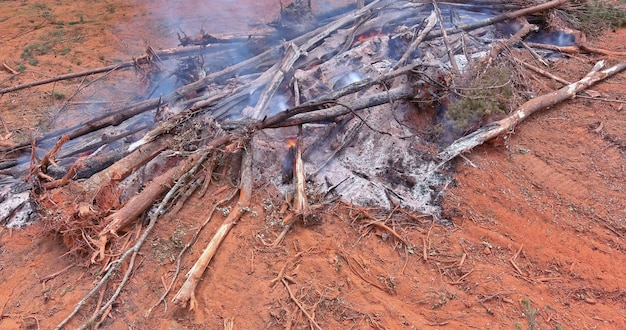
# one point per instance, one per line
(185, 147)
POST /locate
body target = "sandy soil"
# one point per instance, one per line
(537, 240)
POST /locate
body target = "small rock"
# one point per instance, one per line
(487, 250)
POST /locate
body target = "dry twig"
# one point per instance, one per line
(51, 276)
(186, 247)
(295, 300)
(512, 260)
(453, 64)
(186, 294)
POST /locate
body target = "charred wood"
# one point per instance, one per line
(398, 93)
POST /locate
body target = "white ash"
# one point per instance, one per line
(373, 168)
(16, 209)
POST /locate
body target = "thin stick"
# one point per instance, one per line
(512, 260)
(461, 278)
(186, 195)
(295, 300)
(51, 276)
(6, 66)
(287, 226)
(501, 18)
(279, 277)
(67, 177)
(517, 253)
(534, 54)
(100, 299)
(383, 226)
(81, 87)
(110, 302)
(145, 59)
(277, 73)
(186, 247)
(600, 99)
(424, 249)
(562, 49)
(601, 51)
(499, 47)
(357, 273)
(47, 158)
(66, 76)
(431, 20)
(400, 92)
(446, 42)
(542, 72)
(186, 294)
(5, 303)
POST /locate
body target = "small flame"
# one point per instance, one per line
(289, 163)
(292, 142)
(368, 35)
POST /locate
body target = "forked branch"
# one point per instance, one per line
(186, 295)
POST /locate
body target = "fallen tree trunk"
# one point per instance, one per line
(507, 124)
(144, 59)
(140, 203)
(431, 20)
(500, 18)
(402, 92)
(186, 294)
(112, 118)
(124, 167)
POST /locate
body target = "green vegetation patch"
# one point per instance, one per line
(530, 313)
(35, 49)
(53, 41)
(594, 16)
(478, 97)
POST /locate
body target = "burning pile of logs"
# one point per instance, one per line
(351, 81)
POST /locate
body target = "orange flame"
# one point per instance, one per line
(292, 142)
(368, 35)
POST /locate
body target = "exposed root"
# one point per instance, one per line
(351, 264)
(132, 253)
(51, 276)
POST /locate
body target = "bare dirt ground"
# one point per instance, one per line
(537, 240)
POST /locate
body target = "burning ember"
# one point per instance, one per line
(368, 35)
(289, 164)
